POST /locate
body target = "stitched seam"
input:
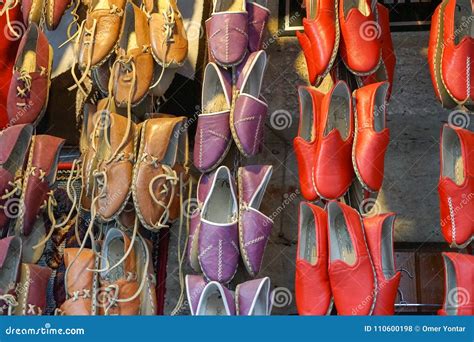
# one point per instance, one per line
(468, 77)
(254, 241)
(204, 252)
(215, 34)
(249, 118)
(219, 262)
(242, 32)
(226, 41)
(218, 135)
(257, 135)
(452, 217)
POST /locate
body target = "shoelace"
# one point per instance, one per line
(10, 301)
(9, 5)
(171, 178)
(16, 187)
(23, 92)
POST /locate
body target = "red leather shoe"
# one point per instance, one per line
(312, 289)
(456, 186)
(457, 57)
(320, 39)
(361, 48)
(386, 71)
(379, 234)
(435, 50)
(458, 291)
(351, 273)
(305, 143)
(371, 135)
(333, 171)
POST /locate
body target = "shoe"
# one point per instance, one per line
(361, 48)
(37, 196)
(157, 171)
(305, 143)
(81, 285)
(456, 186)
(34, 282)
(133, 67)
(253, 298)
(227, 32)
(254, 226)
(14, 144)
(312, 288)
(258, 15)
(457, 56)
(218, 233)
(386, 71)
(10, 260)
(54, 11)
(118, 277)
(249, 112)
(320, 38)
(169, 44)
(371, 136)
(333, 172)
(351, 272)
(379, 233)
(195, 285)
(435, 51)
(458, 294)
(29, 88)
(213, 137)
(148, 301)
(32, 11)
(213, 300)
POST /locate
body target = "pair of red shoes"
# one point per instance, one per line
(327, 150)
(337, 262)
(451, 54)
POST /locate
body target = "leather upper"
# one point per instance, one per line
(32, 11)
(257, 20)
(54, 12)
(10, 254)
(252, 298)
(34, 280)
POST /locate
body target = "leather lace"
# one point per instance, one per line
(10, 302)
(23, 92)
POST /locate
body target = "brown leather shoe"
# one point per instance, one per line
(10, 260)
(80, 284)
(33, 284)
(133, 68)
(169, 42)
(156, 173)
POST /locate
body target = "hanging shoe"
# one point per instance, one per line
(379, 233)
(371, 136)
(456, 186)
(14, 144)
(54, 11)
(258, 15)
(209, 299)
(312, 288)
(351, 272)
(213, 136)
(253, 298)
(10, 261)
(34, 282)
(195, 284)
(29, 88)
(320, 38)
(32, 11)
(249, 111)
(148, 301)
(254, 226)
(458, 289)
(227, 32)
(218, 234)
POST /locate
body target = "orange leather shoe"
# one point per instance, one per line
(312, 289)
(351, 273)
(379, 234)
(333, 171)
(371, 135)
(457, 56)
(320, 39)
(458, 288)
(360, 44)
(456, 186)
(305, 143)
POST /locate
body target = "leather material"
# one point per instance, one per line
(34, 281)
(195, 284)
(32, 11)
(360, 44)
(227, 36)
(257, 21)
(353, 285)
(10, 254)
(148, 301)
(29, 89)
(252, 298)
(312, 287)
(386, 288)
(54, 12)
(370, 145)
(460, 298)
(225, 303)
(40, 175)
(80, 283)
(136, 24)
(456, 202)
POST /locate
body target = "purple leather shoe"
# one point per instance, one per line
(218, 232)
(34, 282)
(248, 115)
(10, 260)
(258, 18)
(227, 32)
(254, 227)
(215, 300)
(195, 284)
(252, 298)
(213, 137)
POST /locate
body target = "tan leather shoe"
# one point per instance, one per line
(157, 172)
(133, 68)
(169, 42)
